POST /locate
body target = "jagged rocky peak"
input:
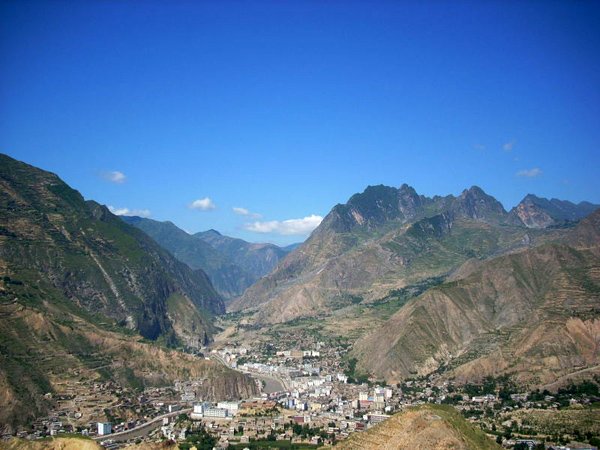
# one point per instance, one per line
(375, 206)
(474, 203)
(531, 213)
(409, 200)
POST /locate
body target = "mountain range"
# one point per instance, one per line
(388, 238)
(470, 289)
(536, 212)
(231, 264)
(506, 292)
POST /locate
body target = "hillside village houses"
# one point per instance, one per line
(310, 400)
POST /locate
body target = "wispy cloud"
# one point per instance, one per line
(508, 147)
(245, 212)
(530, 173)
(479, 147)
(129, 212)
(203, 204)
(296, 227)
(114, 177)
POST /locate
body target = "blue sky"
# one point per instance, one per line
(284, 109)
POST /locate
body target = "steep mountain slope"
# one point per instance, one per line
(51, 239)
(231, 264)
(536, 212)
(534, 313)
(228, 278)
(81, 290)
(48, 345)
(381, 240)
(426, 427)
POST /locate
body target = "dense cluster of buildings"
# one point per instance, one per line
(306, 398)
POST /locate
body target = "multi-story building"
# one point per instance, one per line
(104, 428)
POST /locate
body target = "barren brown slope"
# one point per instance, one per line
(51, 444)
(535, 314)
(76, 444)
(381, 240)
(427, 427)
(53, 350)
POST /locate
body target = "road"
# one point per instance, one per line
(273, 383)
(140, 430)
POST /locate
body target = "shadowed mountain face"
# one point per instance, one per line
(381, 240)
(231, 264)
(533, 313)
(81, 294)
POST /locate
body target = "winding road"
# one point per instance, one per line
(140, 430)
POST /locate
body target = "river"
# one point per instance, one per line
(271, 384)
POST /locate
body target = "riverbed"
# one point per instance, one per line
(271, 384)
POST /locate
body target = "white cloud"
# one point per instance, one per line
(530, 173)
(244, 212)
(115, 177)
(129, 212)
(508, 147)
(289, 227)
(203, 204)
(479, 147)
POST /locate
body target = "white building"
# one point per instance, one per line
(377, 418)
(104, 428)
(231, 407)
(302, 406)
(216, 412)
(198, 412)
(207, 410)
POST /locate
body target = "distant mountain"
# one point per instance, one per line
(425, 427)
(231, 264)
(228, 278)
(384, 239)
(255, 259)
(536, 212)
(532, 314)
(84, 293)
(292, 247)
